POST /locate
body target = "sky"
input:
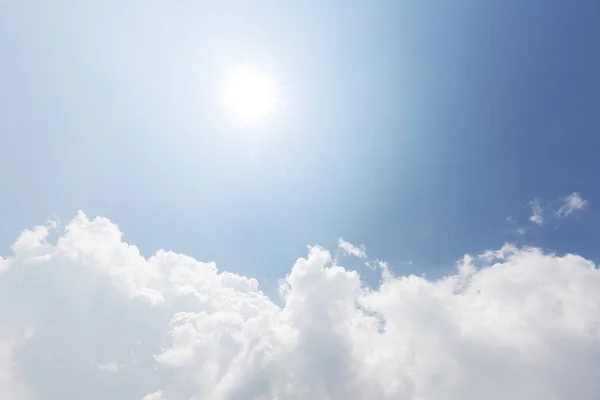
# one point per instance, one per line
(416, 218)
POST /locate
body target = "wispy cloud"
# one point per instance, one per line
(555, 210)
(112, 366)
(350, 249)
(570, 204)
(537, 212)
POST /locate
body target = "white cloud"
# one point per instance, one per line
(568, 205)
(350, 249)
(4, 265)
(571, 203)
(12, 386)
(511, 323)
(111, 366)
(537, 212)
(158, 395)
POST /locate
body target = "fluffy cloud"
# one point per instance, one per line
(571, 203)
(512, 323)
(158, 395)
(350, 249)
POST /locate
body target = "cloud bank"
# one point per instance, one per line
(86, 316)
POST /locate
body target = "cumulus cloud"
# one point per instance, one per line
(158, 395)
(512, 323)
(570, 204)
(350, 249)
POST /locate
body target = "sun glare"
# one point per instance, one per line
(250, 95)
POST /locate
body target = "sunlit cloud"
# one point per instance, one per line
(512, 323)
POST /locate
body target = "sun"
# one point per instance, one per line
(250, 94)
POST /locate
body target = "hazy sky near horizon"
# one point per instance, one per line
(410, 132)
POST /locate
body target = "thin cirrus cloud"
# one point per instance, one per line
(351, 249)
(567, 205)
(537, 212)
(512, 323)
(570, 204)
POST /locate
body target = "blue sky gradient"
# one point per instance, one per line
(414, 128)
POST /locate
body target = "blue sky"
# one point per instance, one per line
(419, 132)
(413, 128)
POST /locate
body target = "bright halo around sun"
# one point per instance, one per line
(250, 95)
